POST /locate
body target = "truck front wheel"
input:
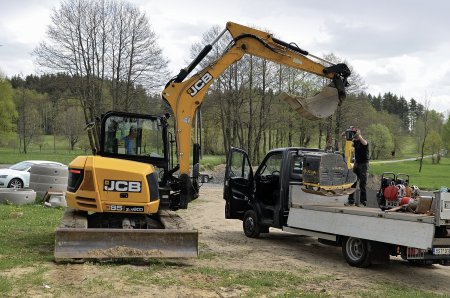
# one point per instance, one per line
(250, 224)
(356, 252)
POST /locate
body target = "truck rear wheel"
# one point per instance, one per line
(250, 224)
(356, 252)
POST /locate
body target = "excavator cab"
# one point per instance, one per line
(137, 137)
(132, 169)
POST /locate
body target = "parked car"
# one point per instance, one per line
(205, 177)
(18, 175)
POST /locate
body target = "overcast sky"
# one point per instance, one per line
(397, 46)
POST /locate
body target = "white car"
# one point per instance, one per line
(18, 175)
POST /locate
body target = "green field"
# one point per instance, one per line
(8, 156)
(45, 148)
(432, 176)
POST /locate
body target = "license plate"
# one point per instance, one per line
(441, 251)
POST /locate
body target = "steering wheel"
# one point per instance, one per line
(275, 173)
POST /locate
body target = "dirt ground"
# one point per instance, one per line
(231, 250)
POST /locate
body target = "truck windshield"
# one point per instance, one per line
(273, 165)
(134, 136)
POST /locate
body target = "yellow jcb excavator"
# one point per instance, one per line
(122, 198)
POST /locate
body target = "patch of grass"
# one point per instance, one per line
(408, 148)
(297, 293)
(251, 282)
(29, 237)
(208, 162)
(98, 283)
(258, 282)
(5, 285)
(205, 252)
(150, 275)
(392, 289)
(31, 279)
(35, 278)
(207, 255)
(432, 176)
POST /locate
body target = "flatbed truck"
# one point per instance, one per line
(274, 197)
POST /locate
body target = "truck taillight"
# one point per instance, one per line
(152, 180)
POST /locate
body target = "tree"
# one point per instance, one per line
(8, 109)
(446, 134)
(73, 128)
(381, 141)
(434, 146)
(28, 120)
(426, 127)
(99, 41)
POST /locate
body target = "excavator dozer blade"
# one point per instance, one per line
(320, 106)
(74, 241)
(327, 174)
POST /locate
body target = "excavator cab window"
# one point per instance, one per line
(134, 136)
(137, 137)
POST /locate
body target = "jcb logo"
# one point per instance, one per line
(200, 84)
(122, 186)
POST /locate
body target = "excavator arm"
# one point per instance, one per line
(186, 95)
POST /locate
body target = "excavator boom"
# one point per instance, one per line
(186, 95)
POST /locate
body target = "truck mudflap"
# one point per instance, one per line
(74, 241)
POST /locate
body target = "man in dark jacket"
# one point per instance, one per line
(360, 168)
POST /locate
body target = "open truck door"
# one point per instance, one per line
(238, 184)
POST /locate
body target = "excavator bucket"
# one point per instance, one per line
(74, 241)
(320, 106)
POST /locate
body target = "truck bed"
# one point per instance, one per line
(366, 211)
(329, 215)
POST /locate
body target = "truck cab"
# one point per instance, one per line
(264, 195)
